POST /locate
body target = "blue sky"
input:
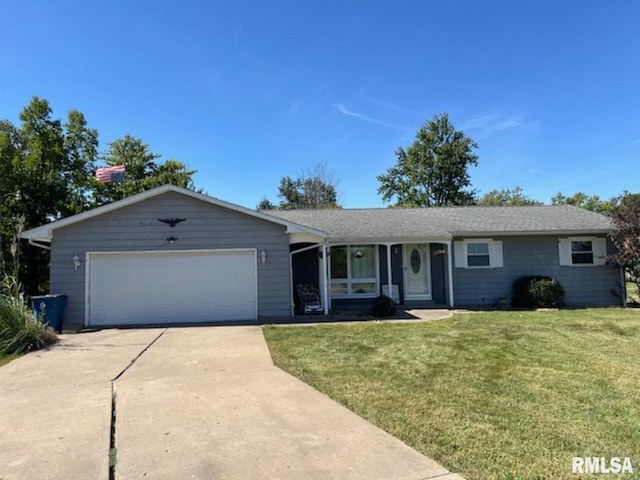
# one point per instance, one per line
(247, 92)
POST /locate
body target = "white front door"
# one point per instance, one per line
(417, 284)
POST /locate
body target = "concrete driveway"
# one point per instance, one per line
(183, 403)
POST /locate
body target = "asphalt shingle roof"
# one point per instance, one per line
(447, 222)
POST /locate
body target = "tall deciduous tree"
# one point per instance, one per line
(506, 197)
(313, 189)
(142, 170)
(588, 202)
(434, 170)
(48, 162)
(81, 148)
(626, 236)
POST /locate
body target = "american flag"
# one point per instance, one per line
(113, 174)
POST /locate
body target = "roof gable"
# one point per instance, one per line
(44, 233)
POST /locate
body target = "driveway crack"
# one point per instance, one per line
(113, 449)
(135, 359)
(113, 452)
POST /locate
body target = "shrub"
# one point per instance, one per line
(19, 331)
(383, 306)
(537, 291)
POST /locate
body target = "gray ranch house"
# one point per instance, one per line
(171, 255)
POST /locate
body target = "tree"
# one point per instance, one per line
(506, 197)
(589, 202)
(48, 162)
(81, 148)
(265, 204)
(142, 172)
(626, 236)
(433, 171)
(313, 189)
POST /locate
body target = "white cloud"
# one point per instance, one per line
(478, 122)
(345, 111)
(392, 106)
(506, 124)
(486, 125)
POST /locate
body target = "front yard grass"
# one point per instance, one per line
(4, 358)
(492, 395)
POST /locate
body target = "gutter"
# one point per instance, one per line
(34, 242)
(548, 233)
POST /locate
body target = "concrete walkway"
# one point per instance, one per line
(345, 317)
(190, 403)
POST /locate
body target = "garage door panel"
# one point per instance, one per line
(172, 287)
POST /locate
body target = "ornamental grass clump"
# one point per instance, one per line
(20, 332)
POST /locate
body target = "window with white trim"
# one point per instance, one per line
(354, 270)
(478, 253)
(582, 251)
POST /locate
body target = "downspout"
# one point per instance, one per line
(450, 271)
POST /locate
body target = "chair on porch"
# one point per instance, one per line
(309, 298)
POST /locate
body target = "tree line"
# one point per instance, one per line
(432, 171)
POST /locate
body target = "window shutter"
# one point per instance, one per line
(496, 254)
(564, 251)
(599, 251)
(459, 254)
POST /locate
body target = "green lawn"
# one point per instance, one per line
(4, 358)
(489, 395)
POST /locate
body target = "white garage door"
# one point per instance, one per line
(171, 287)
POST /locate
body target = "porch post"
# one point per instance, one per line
(450, 271)
(389, 279)
(325, 282)
(292, 286)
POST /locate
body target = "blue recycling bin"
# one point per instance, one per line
(49, 308)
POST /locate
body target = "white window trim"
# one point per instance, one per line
(467, 255)
(495, 253)
(349, 281)
(598, 249)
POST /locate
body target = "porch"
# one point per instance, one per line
(349, 276)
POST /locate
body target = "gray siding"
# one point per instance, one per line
(438, 275)
(136, 228)
(584, 286)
